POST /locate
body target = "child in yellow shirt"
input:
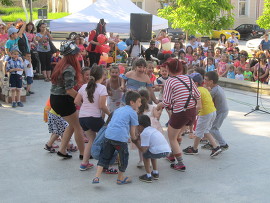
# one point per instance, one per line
(206, 117)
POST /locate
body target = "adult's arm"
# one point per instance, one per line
(78, 100)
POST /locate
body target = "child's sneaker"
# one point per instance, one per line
(216, 151)
(224, 147)
(171, 159)
(207, 146)
(155, 176)
(178, 167)
(84, 167)
(14, 104)
(190, 151)
(145, 178)
(20, 104)
(140, 164)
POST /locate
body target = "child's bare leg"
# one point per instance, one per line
(18, 95)
(154, 164)
(13, 95)
(140, 155)
(211, 139)
(52, 139)
(147, 165)
(191, 134)
(99, 171)
(90, 136)
(48, 74)
(28, 88)
(196, 142)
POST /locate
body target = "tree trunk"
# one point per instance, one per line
(53, 6)
(24, 8)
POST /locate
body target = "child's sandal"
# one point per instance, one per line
(50, 149)
(95, 180)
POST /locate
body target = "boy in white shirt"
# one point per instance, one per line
(153, 145)
(29, 73)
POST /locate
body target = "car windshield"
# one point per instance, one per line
(171, 30)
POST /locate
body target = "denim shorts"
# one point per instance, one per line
(91, 123)
(15, 81)
(29, 80)
(107, 152)
(149, 155)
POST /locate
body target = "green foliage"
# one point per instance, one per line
(199, 16)
(6, 2)
(264, 19)
(11, 14)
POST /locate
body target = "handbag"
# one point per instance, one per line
(52, 46)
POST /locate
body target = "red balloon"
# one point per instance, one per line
(101, 38)
(122, 69)
(105, 48)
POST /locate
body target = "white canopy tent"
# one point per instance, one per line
(116, 14)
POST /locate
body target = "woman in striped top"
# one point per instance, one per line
(181, 95)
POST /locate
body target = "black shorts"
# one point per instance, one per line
(29, 80)
(91, 123)
(63, 104)
(15, 81)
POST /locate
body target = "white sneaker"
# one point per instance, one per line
(140, 164)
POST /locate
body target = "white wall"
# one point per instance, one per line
(77, 5)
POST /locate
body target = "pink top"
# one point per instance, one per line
(3, 38)
(238, 64)
(190, 58)
(221, 69)
(92, 109)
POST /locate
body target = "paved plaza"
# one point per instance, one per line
(28, 173)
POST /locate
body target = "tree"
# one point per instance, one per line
(264, 19)
(6, 2)
(198, 16)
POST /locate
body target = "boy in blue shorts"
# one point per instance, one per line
(153, 145)
(15, 67)
(123, 122)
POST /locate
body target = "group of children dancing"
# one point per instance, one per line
(128, 100)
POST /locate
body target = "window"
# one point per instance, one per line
(139, 4)
(243, 7)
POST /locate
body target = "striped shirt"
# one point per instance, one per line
(176, 94)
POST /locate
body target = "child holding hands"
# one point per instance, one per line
(124, 121)
(153, 145)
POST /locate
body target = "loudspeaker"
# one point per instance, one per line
(141, 27)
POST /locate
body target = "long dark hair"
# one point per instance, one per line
(222, 39)
(95, 74)
(144, 100)
(38, 26)
(33, 27)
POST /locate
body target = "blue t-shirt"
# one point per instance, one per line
(210, 68)
(12, 44)
(231, 75)
(265, 45)
(119, 127)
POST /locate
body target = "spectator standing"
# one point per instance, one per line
(265, 43)
(44, 50)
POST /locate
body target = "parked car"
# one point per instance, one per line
(175, 34)
(216, 34)
(66, 35)
(250, 31)
(254, 43)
